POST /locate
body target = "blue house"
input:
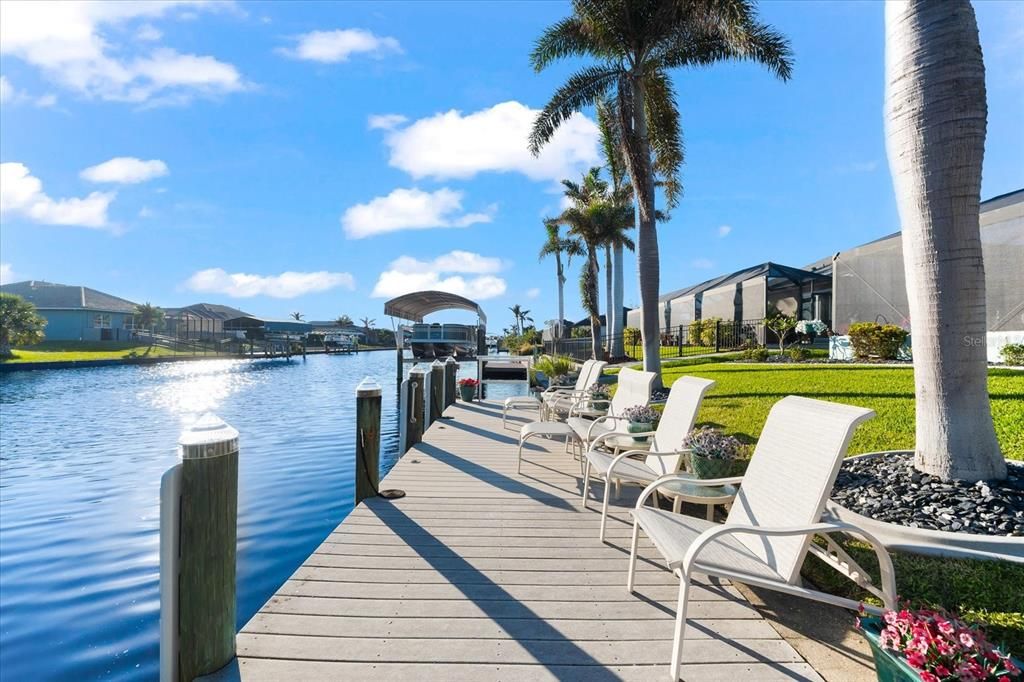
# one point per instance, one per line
(75, 313)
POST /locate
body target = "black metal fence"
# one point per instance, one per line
(702, 337)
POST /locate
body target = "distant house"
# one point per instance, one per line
(199, 320)
(76, 313)
(329, 326)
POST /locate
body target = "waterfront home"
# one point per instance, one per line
(77, 313)
(199, 319)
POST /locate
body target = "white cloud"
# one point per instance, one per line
(724, 230)
(22, 194)
(125, 170)
(409, 209)
(46, 101)
(533, 293)
(285, 285)
(406, 274)
(6, 90)
(71, 42)
(6, 273)
(702, 264)
(11, 95)
(453, 145)
(148, 33)
(385, 121)
(331, 47)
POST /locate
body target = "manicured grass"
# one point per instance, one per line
(744, 393)
(64, 351)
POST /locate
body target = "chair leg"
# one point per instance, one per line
(604, 507)
(677, 505)
(680, 633)
(711, 512)
(519, 464)
(504, 414)
(632, 556)
(586, 483)
(618, 488)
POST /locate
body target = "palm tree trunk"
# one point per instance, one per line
(935, 129)
(647, 260)
(609, 321)
(618, 344)
(595, 308)
(561, 294)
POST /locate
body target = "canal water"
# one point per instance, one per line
(81, 455)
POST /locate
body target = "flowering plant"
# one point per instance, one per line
(599, 392)
(941, 647)
(469, 382)
(713, 444)
(641, 414)
(810, 327)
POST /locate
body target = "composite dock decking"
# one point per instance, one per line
(480, 573)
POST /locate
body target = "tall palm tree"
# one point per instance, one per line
(521, 317)
(636, 44)
(343, 321)
(621, 194)
(148, 316)
(935, 129)
(368, 323)
(296, 316)
(556, 245)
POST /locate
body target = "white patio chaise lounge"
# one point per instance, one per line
(532, 403)
(634, 388)
(666, 448)
(776, 514)
(560, 400)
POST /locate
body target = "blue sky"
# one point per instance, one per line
(322, 157)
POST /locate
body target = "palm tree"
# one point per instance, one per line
(521, 317)
(935, 128)
(296, 316)
(368, 323)
(343, 321)
(555, 245)
(148, 316)
(636, 44)
(20, 324)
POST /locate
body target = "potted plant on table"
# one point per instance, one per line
(641, 418)
(599, 396)
(933, 646)
(467, 388)
(712, 454)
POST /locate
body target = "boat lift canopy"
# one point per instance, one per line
(417, 305)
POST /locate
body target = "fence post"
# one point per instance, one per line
(680, 339)
(436, 390)
(368, 398)
(451, 370)
(718, 335)
(412, 406)
(200, 590)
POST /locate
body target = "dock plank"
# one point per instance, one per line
(481, 573)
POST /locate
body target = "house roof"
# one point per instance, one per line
(769, 270)
(417, 305)
(51, 296)
(212, 311)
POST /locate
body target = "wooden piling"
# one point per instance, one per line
(368, 399)
(436, 390)
(208, 538)
(451, 371)
(414, 407)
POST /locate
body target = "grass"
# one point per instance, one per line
(985, 592)
(64, 351)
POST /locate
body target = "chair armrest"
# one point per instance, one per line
(597, 421)
(662, 480)
(600, 438)
(822, 528)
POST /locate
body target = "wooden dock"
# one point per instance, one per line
(483, 574)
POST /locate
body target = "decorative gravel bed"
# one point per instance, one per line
(888, 488)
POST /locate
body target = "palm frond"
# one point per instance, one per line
(664, 132)
(582, 89)
(565, 38)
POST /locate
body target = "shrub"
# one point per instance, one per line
(781, 325)
(707, 335)
(631, 336)
(798, 353)
(694, 332)
(554, 366)
(755, 354)
(870, 339)
(1013, 353)
(580, 332)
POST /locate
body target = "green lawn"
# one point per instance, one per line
(63, 351)
(981, 591)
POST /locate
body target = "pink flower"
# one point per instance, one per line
(945, 627)
(915, 660)
(928, 677)
(966, 639)
(942, 671)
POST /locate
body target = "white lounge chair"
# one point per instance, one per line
(666, 448)
(634, 388)
(530, 402)
(560, 400)
(775, 515)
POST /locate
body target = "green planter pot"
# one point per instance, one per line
(889, 666)
(640, 427)
(467, 393)
(709, 467)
